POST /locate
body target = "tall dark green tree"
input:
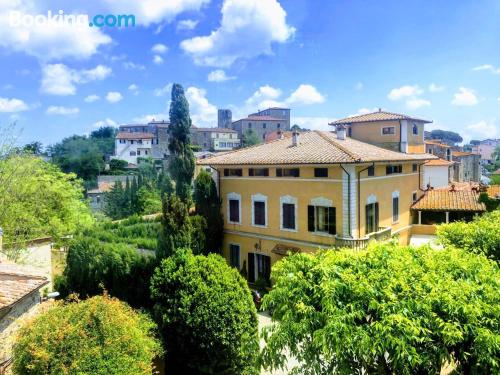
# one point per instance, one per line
(182, 160)
(208, 205)
(176, 227)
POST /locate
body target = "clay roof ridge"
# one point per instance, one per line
(351, 154)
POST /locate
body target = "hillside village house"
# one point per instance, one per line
(215, 139)
(264, 122)
(313, 190)
(437, 173)
(130, 146)
(466, 166)
(486, 148)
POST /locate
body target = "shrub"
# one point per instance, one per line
(481, 236)
(99, 336)
(385, 310)
(206, 315)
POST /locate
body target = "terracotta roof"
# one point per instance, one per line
(446, 200)
(16, 284)
(494, 191)
(497, 171)
(436, 143)
(377, 116)
(315, 147)
(438, 162)
(461, 153)
(273, 136)
(134, 135)
(216, 130)
(103, 187)
(262, 118)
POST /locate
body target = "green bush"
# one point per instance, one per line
(99, 336)
(481, 236)
(385, 310)
(206, 315)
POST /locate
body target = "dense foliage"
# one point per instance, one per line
(208, 205)
(37, 200)
(206, 315)
(176, 227)
(481, 236)
(446, 136)
(100, 336)
(116, 257)
(249, 138)
(182, 162)
(385, 310)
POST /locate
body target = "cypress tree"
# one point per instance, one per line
(182, 160)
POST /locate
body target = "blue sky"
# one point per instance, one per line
(324, 59)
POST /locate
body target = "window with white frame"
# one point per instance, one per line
(234, 208)
(288, 213)
(321, 216)
(395, 206)
(259, 210)
(388, 130)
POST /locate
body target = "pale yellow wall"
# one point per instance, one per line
(371, 132)
(416, 140)
(416, 149)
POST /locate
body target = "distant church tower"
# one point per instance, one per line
(224, 118)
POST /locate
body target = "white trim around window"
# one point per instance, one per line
(321, 201)
(259, 198)
(372, 198)
(289, 200)
(233, 196)
(388, 127)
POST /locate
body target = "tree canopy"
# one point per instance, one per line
(100, 336)
(206, 315)
(250, 138)
(385, 310)
(446, 136)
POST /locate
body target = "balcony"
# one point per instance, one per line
(381, 234)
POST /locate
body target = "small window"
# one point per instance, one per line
(395, 209)
(287, 172)
(234, 255)
(249, 125)
(234, 211)
(132, 142)
(320, 172)
(414, 167)
(258, 172)
(132, 153)
(264, 125)
(388, 130)
(414, 197)
(139, 141)
(259, 209)
(288, 216)
(415, 129)
(123, 141)
(230, 172)
(278, 125)
(138, 152)
(392, 169)
(371, 171)
(321, 219)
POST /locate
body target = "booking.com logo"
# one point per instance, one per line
(17, 19)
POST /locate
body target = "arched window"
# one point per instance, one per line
(415, 129)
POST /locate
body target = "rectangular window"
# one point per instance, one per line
(321, 219)
(258, 172)
(123, 141)
(288, 216)
(391, 169)
(234, 255)
(131, 142)
(234, 211)
(264, 125)
(388, 130)
(259, 266)
(414, 197)
(287, 172)
(414, 167)
(249, 125)
(395, 209)
(371, 217)
(371, 171)
(320, 172)
(139, 141)
(259, 212)
(231, 172)
(132, 153)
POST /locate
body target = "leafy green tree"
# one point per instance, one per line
(480, 236)
(148, 201)
(35, 148)
(117, 167)
(176, 227)
(38, 200)
(385, 310)
(250, 138)
(104, 139)
(117, 202)
(446, 136)
(100, 336)
(206, 315)
(198, 234)
(164, 184)
(208, 205)
(182, 162)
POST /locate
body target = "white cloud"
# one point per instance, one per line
(148, 118)
(404, 91)
(148, 12)
(186, 24)
(364, 111)
(264, 97)
(159, 49)
(201, 110)
(248, 28)
(219, 75)
(435, 88)
(91, 98)
(58, 79)
(482, 129)
(415, 103)
(63, 111)
(158, 60)
(465, 97)
(47, 42)
(129, 65)
(163, 90)
(114, 97)
(488, 67)
(305, 95)
(314, 123)
(358, 86)
(105, 122)
(133, 88)
(12, 105)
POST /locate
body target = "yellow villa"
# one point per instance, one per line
(314, 190)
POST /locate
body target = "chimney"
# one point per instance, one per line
(452, 187)
(380, 109)
(341, 132)
(280, 134)
(295, 138)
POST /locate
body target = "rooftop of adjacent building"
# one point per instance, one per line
(214, 130)
(378, 116)
(462, 153)
(436, 142)
(438, 163)
(449, 199)
(261, 118)
(278, 134)
(134, 135)
(314, 147)
(16, 283)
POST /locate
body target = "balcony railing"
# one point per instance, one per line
(360, 243)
